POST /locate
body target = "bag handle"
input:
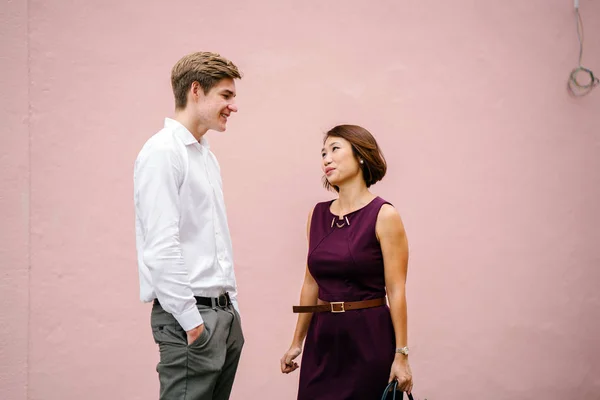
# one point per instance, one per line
(394, 386)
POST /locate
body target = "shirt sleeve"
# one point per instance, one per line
(234, 301)
(158, 179)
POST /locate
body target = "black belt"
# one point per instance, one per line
(222, 301)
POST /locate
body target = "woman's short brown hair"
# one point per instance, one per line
(203, 67)
(365, 147)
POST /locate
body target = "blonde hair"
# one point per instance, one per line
(203, 67)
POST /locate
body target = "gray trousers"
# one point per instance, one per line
(205, 369)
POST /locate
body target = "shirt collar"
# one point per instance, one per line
(185, 135)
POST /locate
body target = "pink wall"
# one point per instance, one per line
(14, 200)
(495, 169)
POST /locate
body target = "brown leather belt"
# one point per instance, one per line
(340, 306)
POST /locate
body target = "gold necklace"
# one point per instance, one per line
(347, 221)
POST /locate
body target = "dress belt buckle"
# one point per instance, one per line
(337, 303)
(224, 298)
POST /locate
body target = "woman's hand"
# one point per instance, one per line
(401, 372)
(287, 361)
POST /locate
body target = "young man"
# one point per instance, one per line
(182, 237)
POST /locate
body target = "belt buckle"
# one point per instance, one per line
(224, 297)
(335, 303)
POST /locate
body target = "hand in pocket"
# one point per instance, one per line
(194, 334)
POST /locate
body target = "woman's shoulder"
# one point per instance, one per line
(388, 219)
(381, 202)
(322, 206)
(318, 212)
(386, 208)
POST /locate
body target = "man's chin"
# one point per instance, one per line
(220, 128)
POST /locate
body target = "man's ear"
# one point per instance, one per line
(196, 92)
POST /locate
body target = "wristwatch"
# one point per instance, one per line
(403, 350)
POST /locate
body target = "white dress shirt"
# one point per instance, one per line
(182, 238)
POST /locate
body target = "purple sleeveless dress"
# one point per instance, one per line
(347, 356)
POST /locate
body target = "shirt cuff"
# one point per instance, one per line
(189, 319)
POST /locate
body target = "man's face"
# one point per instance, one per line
(215, 107)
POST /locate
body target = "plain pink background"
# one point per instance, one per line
(494, 168)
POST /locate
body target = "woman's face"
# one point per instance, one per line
(339, 162)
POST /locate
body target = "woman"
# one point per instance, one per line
(358, 252)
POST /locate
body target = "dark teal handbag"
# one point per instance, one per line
(393, 386)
